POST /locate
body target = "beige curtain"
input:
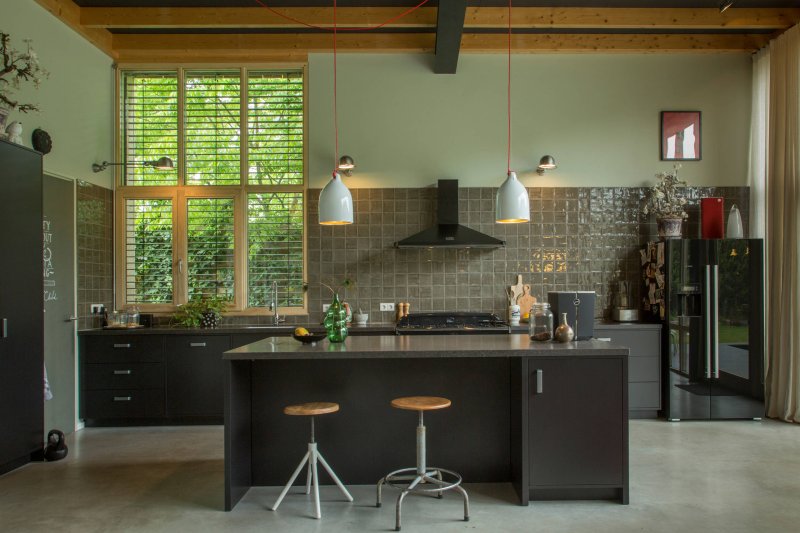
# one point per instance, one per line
(783, 221)
(757, 175)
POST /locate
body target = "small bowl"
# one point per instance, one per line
(310, 339)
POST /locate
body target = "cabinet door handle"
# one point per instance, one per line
(197, 344)
(122, 372)
(539, 380)
(122, 345)
(4, 328)
(122, 398)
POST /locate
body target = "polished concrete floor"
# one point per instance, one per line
(685, 477)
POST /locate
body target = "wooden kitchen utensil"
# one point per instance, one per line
(526, 300)
(516, 290)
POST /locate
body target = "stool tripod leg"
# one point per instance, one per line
(333, 476)
(315, 480)
(308, 479)
(291, 480)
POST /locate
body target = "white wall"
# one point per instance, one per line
(597, 114)
(75, 102)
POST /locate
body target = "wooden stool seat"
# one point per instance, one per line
(311, 409)
(421, 403)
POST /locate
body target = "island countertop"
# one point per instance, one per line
(420, 346)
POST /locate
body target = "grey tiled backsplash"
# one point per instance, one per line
(95, 215)
(577, 239)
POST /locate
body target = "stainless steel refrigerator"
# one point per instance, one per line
(709, 296)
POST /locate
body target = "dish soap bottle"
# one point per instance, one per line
(564, 332)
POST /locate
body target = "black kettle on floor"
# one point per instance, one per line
(56, 448)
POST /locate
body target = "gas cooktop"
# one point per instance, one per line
(451, 323)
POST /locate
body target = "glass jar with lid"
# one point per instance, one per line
(132, 316)
(541, 322)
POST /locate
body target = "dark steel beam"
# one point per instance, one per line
(449, 27)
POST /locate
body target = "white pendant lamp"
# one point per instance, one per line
(335, 200)
(512, 206)
(335, 203)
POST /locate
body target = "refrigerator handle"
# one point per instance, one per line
(715, 341)
(707, 336)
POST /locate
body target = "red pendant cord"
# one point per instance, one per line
(335, 115)
(509, 85)
(367, 28)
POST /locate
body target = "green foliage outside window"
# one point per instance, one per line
(212, 127)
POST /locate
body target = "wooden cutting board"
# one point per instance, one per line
(516, 290)
(526, 300)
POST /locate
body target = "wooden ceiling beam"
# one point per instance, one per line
(449, 28)
(610, 43)
(253, 47)
(70, 14)
(476, 17)
(289, 47)
(250, 17)
(632, 18)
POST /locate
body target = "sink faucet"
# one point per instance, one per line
(273, 306)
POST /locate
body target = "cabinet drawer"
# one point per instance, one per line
(123, 376)
(642, 343)
(123, 403)
(644, 395)
(197, 344)
(119, 348)
(643, 369)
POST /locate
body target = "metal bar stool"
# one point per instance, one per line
(422, 478)
(312, 455)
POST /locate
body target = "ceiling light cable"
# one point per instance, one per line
(366, 28)
(509, 88)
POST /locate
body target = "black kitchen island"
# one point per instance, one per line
(550, 418)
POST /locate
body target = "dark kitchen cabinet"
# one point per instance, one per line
(151, 378)
(122, 379)
(578, 428)
(21, 306)
(195, 373)
(644, 364)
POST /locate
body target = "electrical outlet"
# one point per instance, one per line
(96, 309)
(325, 307)
(387, 307)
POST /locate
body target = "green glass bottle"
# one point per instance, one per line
(336, 321)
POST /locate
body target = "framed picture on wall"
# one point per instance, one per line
(680, 136)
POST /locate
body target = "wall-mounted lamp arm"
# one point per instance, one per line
(162, 163)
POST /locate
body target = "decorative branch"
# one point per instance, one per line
(18, 67)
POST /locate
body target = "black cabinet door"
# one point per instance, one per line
(195, 374)
(576, 422)
(21, 304)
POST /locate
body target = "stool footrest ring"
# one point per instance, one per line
(400, 479)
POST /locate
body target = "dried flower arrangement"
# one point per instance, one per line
(664, 201)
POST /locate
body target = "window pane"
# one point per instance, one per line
(212, 128)
(149, 126)
(210, 247)
(275, 244)
(148, 251)
(275, 128)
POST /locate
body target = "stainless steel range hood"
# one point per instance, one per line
(448, 233)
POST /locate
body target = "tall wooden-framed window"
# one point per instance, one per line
(229, 219)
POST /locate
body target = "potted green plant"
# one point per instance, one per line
(666, 204)
(203, 312)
